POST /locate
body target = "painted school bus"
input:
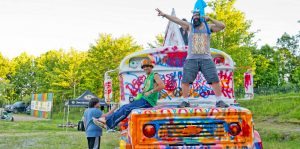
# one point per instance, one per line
(166, 125)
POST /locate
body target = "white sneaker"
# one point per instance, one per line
(99, 124)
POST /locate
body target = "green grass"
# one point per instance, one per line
(41, 126)
(46, 134)
(281, 145)
(276, 139)
(35, 126)
(284, 108)
(276, 117)
(54, 140)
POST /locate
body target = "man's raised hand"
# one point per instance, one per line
(160, 13)
(207, 18)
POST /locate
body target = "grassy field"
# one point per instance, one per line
(47, 135)
(277, 118)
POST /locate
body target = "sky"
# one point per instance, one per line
(36, 26)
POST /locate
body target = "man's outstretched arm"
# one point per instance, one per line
(185, 25)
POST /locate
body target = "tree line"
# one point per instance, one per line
(68, 73)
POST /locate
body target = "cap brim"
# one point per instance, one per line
(146, 65)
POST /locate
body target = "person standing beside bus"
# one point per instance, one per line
(92, 131)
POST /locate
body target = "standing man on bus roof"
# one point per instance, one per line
(199, 57)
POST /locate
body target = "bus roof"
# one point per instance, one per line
(170, 58)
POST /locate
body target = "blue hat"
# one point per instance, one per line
(199, 7)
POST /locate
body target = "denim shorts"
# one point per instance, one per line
(206, 66)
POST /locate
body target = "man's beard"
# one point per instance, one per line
(196, 22)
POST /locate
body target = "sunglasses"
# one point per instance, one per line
(147, 66)
(196, 14)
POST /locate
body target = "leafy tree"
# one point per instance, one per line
(244, 61)
(287, 62)
(106, 54)
(6, 89)
(159, 41)
(295, 76)
(70, 75)
(60, 72)
(286, 58)
(267, 71)
(23, 75)
(267, 51)
(45, 65)
(275, 68)
(235, 39)
(289, 42)
(236, 33)
(5, 67)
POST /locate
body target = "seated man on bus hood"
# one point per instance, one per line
(152, 86)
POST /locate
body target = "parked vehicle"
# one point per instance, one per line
(28, 110)
(4, 115)
(17, 107)
(203, 125)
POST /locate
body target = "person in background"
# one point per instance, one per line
(93, 132)
(184, 33)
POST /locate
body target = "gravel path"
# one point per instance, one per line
(23, 117)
